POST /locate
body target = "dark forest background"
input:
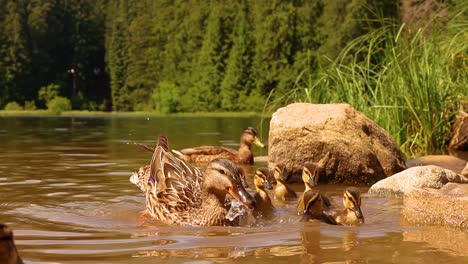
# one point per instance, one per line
(172, 56)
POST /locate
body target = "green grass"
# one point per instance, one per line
(410, 84)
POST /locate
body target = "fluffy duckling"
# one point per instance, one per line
(281, 191)
(262, 182)
(351, 214)
(310, 177)
(313, 206)
(8, 251)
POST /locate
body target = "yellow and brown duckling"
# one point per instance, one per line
(8, 251)
(205, 154)
(282, 192)
(310, 177)
(313, 206)
(263, 182)
(351, 214)
(179, 193)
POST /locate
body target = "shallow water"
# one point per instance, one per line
(65, 190)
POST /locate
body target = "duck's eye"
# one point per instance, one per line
(221, 171)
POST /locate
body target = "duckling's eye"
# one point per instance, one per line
(221, 171)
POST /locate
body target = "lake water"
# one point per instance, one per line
(65, 190)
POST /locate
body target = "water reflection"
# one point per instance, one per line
(64, 190)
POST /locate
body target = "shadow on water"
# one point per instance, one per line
(64, 189)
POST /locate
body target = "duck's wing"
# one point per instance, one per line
(174, 182)
(208, 150)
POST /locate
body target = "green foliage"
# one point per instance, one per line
(49, 92)
(13, 106)
(410, 85)
(166, 98)
(59, 104)
(30, 105)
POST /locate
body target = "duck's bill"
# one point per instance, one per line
(258, 142)
(359, 215)
(268, 185)
(312, 182)
(240, 194)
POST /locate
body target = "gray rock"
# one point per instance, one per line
(422, 176)
(357, 150)
(447, 206)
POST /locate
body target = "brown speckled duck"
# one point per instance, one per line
(179, 193)
(8, 251)
(282, 192)
(310, 177)
(351, 214)
(205, 154)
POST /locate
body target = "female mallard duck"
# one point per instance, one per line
(206, 154)
(281, 191)
(310, 177)
(351, 214)
(262, 182)
(8, 251)
(178, 193)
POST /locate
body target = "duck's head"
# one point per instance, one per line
(249, 137)
(310, 175)
(263, 179)
(222, 176)
(313, 203)
(279, 172)
(8, 252)
(352, 201)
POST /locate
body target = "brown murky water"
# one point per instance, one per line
(64, 189)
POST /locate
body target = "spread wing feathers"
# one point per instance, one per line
(208, 150)
(175, 185)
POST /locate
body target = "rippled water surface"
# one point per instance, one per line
(64, 189)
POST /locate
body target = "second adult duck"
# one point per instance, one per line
(205, 154)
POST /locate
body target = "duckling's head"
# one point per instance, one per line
(279, 172)
(263, 179)
(313, 204)
(249, 137)
(310, 174)
(352, 201)
(222, 176)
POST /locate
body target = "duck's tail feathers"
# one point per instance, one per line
(144, 146)
(163, 142)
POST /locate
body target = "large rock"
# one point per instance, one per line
(447, 206)
(422, 176)
(444, 161)
(357, 150)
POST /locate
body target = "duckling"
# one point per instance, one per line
(8, 251)
(281, 191)
(351, 214)
(310, 176)
(262, 182)
(313, 205)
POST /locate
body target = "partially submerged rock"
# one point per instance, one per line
(422, 176)
(444, 161)
(447, 206)
(359, 151)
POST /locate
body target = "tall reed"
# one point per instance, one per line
(411, 85)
